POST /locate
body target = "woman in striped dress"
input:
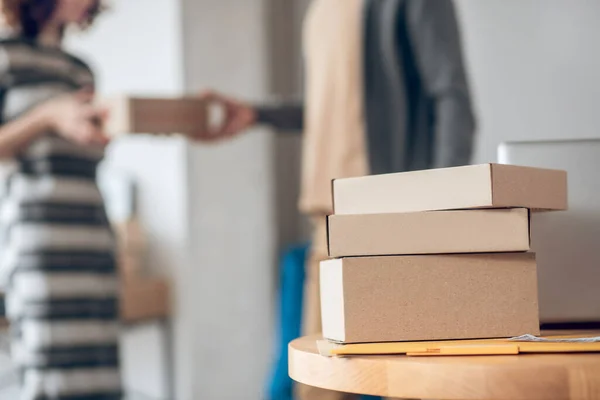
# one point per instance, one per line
(58, 255)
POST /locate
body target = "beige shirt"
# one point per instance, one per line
(334, 138)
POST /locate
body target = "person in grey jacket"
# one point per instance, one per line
(386, 91)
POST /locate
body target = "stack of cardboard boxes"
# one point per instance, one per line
(435, 255)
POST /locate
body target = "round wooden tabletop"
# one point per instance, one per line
(528, 376)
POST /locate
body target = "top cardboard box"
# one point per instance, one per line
(183, 115)
(472, 186)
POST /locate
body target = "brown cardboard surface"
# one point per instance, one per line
(131, 246)
(184, 115)
(473, 186)
(143, 299)
(429, 297)
(535, 188)
(431, 232)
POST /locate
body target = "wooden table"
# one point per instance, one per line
(533, 376)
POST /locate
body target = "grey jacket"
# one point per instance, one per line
(417, 104)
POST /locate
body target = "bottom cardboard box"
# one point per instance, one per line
(429, 297)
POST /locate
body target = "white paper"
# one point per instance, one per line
(532, 338)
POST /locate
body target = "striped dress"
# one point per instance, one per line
(58, 253)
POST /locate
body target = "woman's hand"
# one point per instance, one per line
(74, 117)
(237, 116)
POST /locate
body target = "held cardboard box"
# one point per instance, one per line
(155, 115)
(427, 297)
(473, 186)
(431, 232)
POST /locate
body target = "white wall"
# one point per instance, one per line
(535, 69)
(135, 47)
(230, 282)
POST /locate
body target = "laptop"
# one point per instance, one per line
(567, 243)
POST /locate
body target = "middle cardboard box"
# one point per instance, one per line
(434, 232)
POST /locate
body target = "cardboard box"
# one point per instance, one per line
(431, 232)
(473, 186)
(131, 248)
(429, 297)
(156, 115)
(144, 299)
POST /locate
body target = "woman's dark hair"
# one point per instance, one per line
(30, 16)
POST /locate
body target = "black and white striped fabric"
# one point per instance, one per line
(57, 254)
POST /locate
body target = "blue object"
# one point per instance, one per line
(291, 291)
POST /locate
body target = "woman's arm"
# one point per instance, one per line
(71, 116)
(18, 133)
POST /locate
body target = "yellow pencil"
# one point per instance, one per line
(480, 350)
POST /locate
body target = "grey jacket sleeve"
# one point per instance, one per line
(283, 117)
(435, 38)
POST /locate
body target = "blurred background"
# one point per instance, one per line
(217, 218)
